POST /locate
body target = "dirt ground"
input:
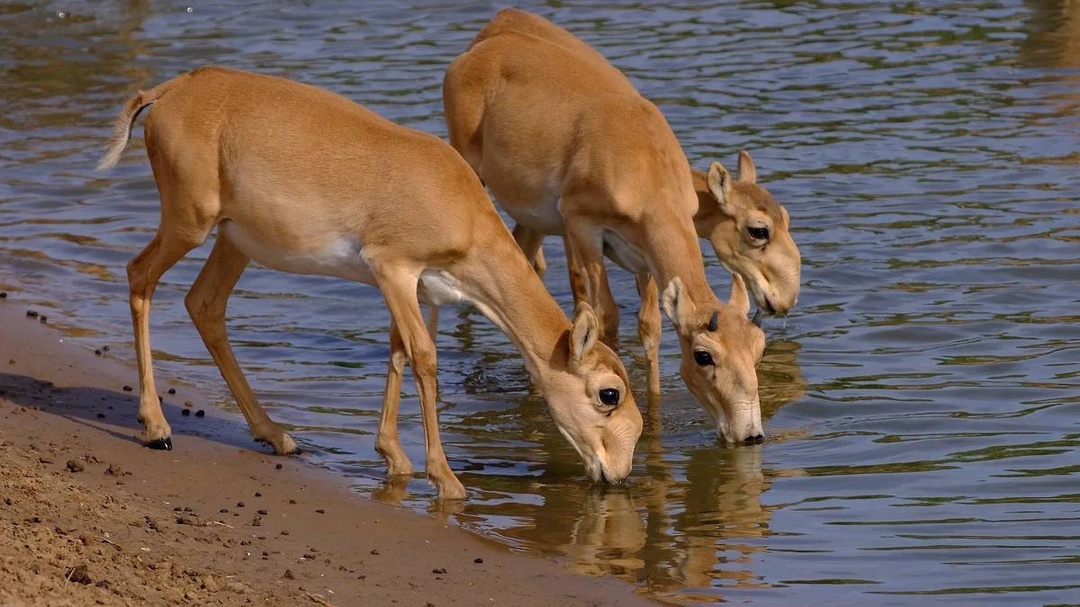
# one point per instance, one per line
(88, 516)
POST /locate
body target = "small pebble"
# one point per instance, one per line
(3, 294)
(101, 416)
(262, 511)
(172, 390)
(375, 551)
(185, 412)
(98, 352)
(257, 494)
(200, 413)
(43, 319)
(127, 388)
(105, 348)
(31, 314)
(78, 574)
(278, 466)
(289, 575)
(320, 511)
(478, 560)
(292, 501)
(75, 465)
(239, 504)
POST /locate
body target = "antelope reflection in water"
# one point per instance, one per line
(1053, 34)
(687, 518)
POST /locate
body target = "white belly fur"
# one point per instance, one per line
(343, 258)
(439, 288)
(544, 217)
(623, 253)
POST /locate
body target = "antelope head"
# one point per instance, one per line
(748, 230)
(720, 350)
(591, 401)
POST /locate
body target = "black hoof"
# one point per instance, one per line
(161, 444)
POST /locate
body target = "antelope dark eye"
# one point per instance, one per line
(758, 233)
(609, 396)
(703, 358)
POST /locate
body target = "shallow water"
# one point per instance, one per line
(922, 400)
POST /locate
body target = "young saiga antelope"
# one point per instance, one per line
(748, 229)
(569, 147)
(303, 180)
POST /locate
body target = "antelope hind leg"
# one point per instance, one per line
(206, 303)
(143, 272)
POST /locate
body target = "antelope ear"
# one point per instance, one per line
(747, 170)
(583, 335)
(740, 299)
(676, 302)
(719, 182)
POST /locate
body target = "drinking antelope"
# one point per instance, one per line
(568, 146)
(302, 180)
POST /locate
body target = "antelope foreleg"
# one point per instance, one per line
(649, 323)
(399, 290)
(588, 279)
(530, 244)
(387, 442)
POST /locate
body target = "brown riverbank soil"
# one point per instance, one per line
(88, 516)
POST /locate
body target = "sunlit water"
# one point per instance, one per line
(922, 400)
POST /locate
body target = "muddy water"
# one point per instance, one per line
(922, 400)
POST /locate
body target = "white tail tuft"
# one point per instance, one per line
(112, 156)
(122, 131)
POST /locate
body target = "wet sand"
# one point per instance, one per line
(88, 516)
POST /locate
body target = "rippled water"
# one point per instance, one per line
(923, 399)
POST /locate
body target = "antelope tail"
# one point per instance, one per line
(124, 122)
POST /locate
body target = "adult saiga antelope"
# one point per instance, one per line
(303, 180)
(748, 229)
(569, 147)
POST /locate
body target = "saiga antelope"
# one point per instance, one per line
(748, 229)
(303, 180)
(569, 147)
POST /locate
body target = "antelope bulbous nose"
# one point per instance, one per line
(754, 440)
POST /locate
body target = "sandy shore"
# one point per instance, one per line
(88, 516)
